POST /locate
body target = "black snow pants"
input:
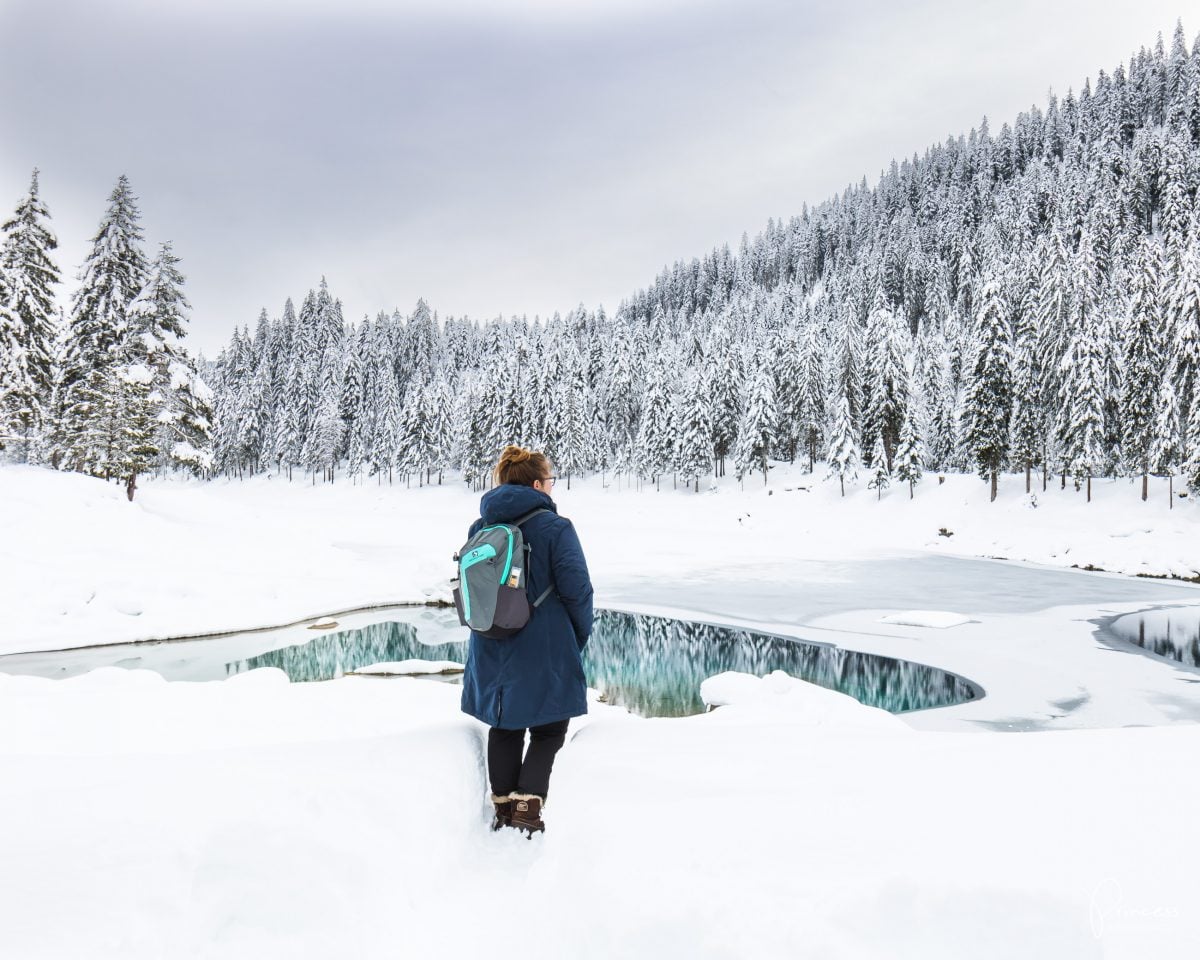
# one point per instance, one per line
(506, 769)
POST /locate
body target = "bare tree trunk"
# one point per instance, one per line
(1028, 477)
(131, 486)
(1171, 491)
(1145, 486)
(993, 500)
(1089, 500)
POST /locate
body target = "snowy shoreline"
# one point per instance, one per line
(221, 559)
(83, 566)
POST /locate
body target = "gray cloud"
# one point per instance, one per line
(506, 158)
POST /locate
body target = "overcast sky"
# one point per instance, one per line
(498, 156)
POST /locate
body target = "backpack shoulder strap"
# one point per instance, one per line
(527, 516)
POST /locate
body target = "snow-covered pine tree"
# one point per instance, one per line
(789, 392)
(757, 428)
(1184, 322)
(654, 441)
(388, 435)
(1164, 448)
(489, 421)
(475, 428)
(843, 457)
(881, 476)
(158, 319)
(1027, 429)
(17, 394)
(1144, 359)
(511, 414)
(695, 455)
(353, 400)
(135, 450)
(324, 438)
(886, 375)
(97, 339)
(725, 375)
(1176, 197)
(619, 397)
(811, 390)
(356, 411)
(910, 453)
(574, 438)
(31, 276)
(1054, 310)
(255, 415)
(938, 406)
(422, 339)
(989, 397)
(413, 452)
(1080, 430)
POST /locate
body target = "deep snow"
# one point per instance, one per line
(254, 818)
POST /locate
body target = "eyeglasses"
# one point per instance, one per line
(549, 479)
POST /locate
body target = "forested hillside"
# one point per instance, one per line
(1020, 299)
(1026, 299)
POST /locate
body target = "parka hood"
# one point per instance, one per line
(509, 501)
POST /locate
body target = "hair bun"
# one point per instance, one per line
(521, 465)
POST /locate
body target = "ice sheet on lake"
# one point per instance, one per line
(938, 619)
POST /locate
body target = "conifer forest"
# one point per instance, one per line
(1024, 299)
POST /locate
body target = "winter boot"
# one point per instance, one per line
(527, 813)
(503, 817)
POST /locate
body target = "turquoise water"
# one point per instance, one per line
(655, 665)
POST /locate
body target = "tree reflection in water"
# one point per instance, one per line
(1173, 634)
(330, 656)
(653, 666)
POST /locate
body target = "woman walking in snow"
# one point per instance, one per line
(533, 681)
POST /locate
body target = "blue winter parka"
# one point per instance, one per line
(535, 676)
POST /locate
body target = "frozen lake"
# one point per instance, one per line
(1041, 668)
(817, 588)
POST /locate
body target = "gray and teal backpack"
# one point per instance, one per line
(490, 590)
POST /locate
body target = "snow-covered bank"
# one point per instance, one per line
(82, 565)
(253, 818)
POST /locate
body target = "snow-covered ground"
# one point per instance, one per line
(256, 818)
(83, 565)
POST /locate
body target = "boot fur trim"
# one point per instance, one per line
(523, 796)
(499, 799)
